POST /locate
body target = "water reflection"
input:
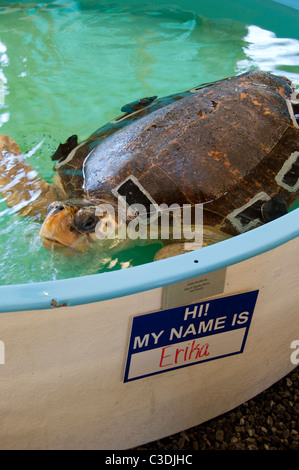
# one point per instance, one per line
(4, 62)
(264, 50)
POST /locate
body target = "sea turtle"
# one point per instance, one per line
(231, 145)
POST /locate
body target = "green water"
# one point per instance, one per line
(68, 67)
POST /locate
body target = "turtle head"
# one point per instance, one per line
(69, 224)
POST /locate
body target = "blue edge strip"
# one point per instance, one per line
(104, 286)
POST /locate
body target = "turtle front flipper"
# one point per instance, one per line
(211, 235)
(20, 184)
(138, 104)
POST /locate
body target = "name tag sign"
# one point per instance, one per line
(188, 335)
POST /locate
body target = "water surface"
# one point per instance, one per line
(68, 67)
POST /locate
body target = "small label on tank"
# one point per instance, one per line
(188, 335)
(191, 290)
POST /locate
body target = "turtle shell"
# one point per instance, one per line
(233, 145)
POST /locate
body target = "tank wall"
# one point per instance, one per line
(62, 381)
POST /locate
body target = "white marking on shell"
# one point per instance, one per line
(284, 170)
(142, 189)
(232, 217)
(291, 111)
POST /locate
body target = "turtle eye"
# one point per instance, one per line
(57, 206)
(85, 221)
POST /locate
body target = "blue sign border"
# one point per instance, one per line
(147, 327)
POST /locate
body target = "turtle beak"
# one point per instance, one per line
(58, 231)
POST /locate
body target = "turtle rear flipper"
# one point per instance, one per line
(20, 184)
(65, 149)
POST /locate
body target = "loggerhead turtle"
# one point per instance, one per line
(232, 145)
